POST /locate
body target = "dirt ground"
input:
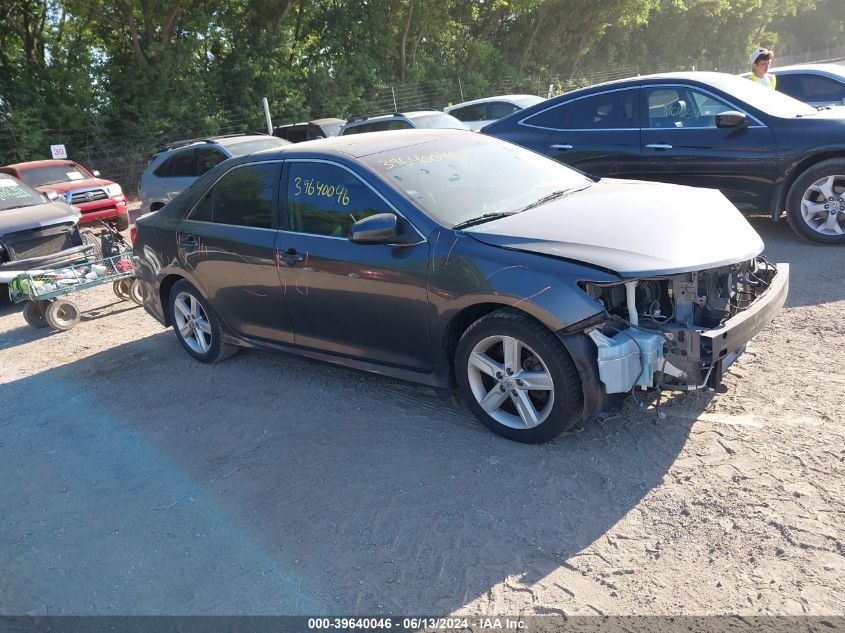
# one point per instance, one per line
(136, 481)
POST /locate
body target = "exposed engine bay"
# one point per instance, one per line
(676, 331)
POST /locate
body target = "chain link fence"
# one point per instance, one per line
(115, 152)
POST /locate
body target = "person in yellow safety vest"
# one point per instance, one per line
(760, 60)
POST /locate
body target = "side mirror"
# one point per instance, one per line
(380, 228)
(96, 173)
(731, 119)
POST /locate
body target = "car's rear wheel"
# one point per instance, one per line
(816, 203)
(197, 325)
(517, 377)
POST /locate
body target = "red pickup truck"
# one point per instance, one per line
(96, 198)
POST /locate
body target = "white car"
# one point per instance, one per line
(479, 112)
(817, 85)
(181, 163)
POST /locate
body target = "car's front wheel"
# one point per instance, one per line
(197, 325)
(517, 377)
(815, 206)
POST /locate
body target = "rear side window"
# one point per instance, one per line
(500, 110)
(606, 111)
(242, 197)
(208, 158)
(555, 118)
(184, 164)
(469, 113)
(811, 87)
(180, 165)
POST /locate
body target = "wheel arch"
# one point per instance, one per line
(164, 288)
(795, 172)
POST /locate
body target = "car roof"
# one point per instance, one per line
(489, 99)
(723, 81)
(325, 121)
(359, 145)
(34, 164)
(832, 69)
(233, 140)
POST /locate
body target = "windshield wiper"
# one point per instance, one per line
(487, 217)
(553, 196)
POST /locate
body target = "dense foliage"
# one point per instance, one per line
(113, 78)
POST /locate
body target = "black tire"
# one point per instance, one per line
(33, 313)
(214, 348)
(88, 237)
(122, 221)
(62, 315)
(136, 293)
(802, 184)
(541, 353)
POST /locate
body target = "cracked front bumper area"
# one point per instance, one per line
(703, 356)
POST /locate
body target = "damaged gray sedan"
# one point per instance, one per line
(449, 259)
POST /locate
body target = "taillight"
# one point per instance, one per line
(133, 233)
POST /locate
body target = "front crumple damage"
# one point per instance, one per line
(682, 331)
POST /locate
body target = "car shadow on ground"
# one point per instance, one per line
(278, 485)
(814, 275)
(26, 333)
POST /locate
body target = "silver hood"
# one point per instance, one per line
(36, 216)
(634, 228)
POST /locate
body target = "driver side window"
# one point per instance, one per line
(327, 200)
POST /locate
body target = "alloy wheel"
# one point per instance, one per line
(510, 381)
(823, 205)
(192, 322)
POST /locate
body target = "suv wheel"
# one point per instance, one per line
(816, 203)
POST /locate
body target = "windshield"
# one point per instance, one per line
(465, 176)
(332, 129)
(15, 194)
(250, 147)
(765, 99)
(439, 121)
(65, 172)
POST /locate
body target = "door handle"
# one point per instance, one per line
(291, 257)
(659, 146)
(188, 241)
(564, 146)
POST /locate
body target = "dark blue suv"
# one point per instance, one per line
(764, 150)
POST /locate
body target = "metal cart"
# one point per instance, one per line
(43, 292)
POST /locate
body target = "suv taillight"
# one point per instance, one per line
(133, 233)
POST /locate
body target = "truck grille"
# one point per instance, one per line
(81, 197)
(34, 244)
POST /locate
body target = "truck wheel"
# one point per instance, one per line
(122, 221)
(815, 206)
(62, 314)
(33, 313)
